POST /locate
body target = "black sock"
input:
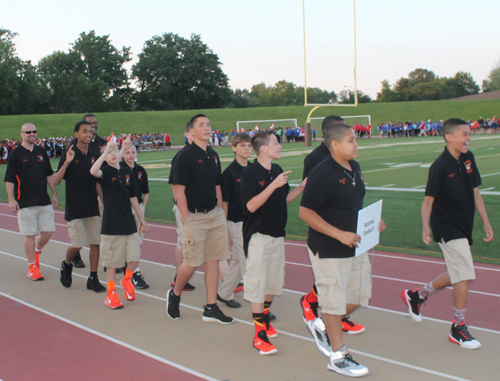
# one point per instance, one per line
(315, 289)
(210, 306)
(93, 274)
(258, 321)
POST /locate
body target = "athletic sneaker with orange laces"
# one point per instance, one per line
(128, 287)
(37, 258)
(262, 344)
(113, 301)
(270, 331)
(350, 327)
(309, 310)
(34, 273)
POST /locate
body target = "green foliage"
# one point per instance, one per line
(174, 73)
(423, 84)
(348, 97)
(492, 83)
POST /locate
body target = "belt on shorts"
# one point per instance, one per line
(199, 210)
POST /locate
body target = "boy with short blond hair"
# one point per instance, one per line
(451, 199)
(265, 193)
(119, 238)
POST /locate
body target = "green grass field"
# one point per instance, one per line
(401, 163)
(173, 122)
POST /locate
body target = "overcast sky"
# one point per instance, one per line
(261, 41)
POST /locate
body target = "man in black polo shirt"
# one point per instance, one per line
(204, 235)
(332, 199)
(26, 178)
(451, 198)
(82, 209)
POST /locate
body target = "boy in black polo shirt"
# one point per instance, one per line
(265, 194)
(309, 302)
(451, 198)
(241, 143)
(82, 208)
(332, 199)
(119, 238)
(203, 226)
(141, 176)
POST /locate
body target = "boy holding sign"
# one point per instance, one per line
(451, 199)
(330, 204)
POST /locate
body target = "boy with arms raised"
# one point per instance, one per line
(119, 238)
(233, 207)
(332, 199)
(265, 194)
(82, 208)
(451, 198)
(141, 177)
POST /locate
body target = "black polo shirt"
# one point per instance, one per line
(94, 145)
(451, 183)
(200, 172)
(118, 187)
(330, 193)
(173, 165)
(141, 177)
(319, 154)
(271, 217)
(81, 193)
(230, 184)
(28, 171)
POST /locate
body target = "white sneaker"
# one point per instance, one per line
(342, 363)
(317, 329)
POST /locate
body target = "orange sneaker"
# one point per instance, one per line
(113, 301)
(128, 288)
(262, 344)
(270, 331)
(37, 258)
(351, 327)
(309, 310)
(34, 273)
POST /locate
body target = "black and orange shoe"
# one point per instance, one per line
(239, 288)
(460, 335)
(309, 310)
(350, 327)
(262, 344)
(414, 302)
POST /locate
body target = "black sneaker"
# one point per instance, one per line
(138, 281)
(215, 314)
(187, 287)
(272, 316)
(414, 302)
(460, 335)
(94, 285)
(173, 302)
(65, 274)
(77, 261)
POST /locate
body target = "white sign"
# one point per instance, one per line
(368, 221)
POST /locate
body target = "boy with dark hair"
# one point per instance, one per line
(265, 194)
(241, 144)
(202, 222)
(451, 198)
(119, 238)
(141, 177)
(309, 302)
(332, 199)
(82, 208)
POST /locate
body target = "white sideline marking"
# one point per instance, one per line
(250, 323)
(387, 185)
(487, 189)
(109, 338)
(419, 186)
(404, 165)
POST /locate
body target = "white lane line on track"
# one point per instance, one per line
(113, 340)
(250, 323)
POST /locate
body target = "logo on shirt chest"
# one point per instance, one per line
(127, 179)
(92, 160)
(139, 175)
(342, 181)
(468, 166)
(113, 179)
(452, 176)
(262, 183)
(40, 157)
(361, 175)
(238, 180)
(216, 161)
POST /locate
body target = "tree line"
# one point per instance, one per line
(171, 73)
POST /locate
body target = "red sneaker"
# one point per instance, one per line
(37, 258)
(239, 288)
(262, 344)
(270, 331)
(128, 288)
(309, 310)
(351, 327)
(113, 301)
(34, 273)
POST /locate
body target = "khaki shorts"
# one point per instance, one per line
(204, 237)
(342, 281)
(140, 230)
(85, 231)
(237, 265)
(36, 219)
(118, 249)
(458, 259)
(101, 206)
(265, 268)
(176, 212)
